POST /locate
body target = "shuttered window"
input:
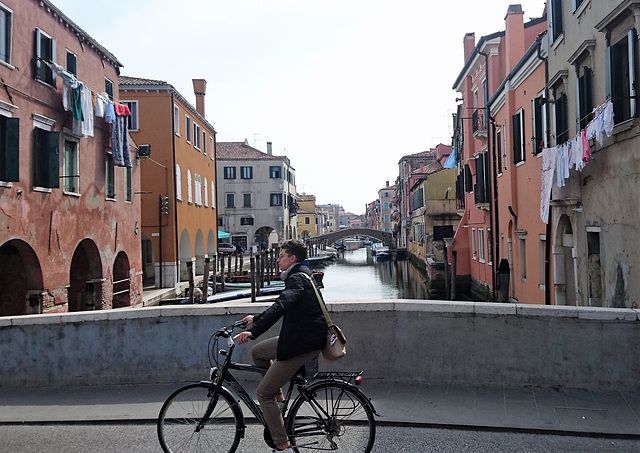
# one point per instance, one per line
(537, 123)
(585, 105)
(6, 26)
(45, 51)
(468, 181)
(562, 125)
(9, 149)
(498, 146)
(556, 19)
(46, 158)
(621, 77)
(110, 177)
(518, 137)
(246, 172)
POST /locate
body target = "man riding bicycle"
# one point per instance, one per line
(302, 336)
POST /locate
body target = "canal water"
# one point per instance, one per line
(356, 275)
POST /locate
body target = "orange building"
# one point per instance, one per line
(481, 143)
(518, 137)
(69, 217)
(178, 178)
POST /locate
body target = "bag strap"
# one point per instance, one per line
(320, 301)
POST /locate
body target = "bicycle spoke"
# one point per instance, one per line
(180, 428)
(336, 419)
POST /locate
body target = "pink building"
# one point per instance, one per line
(69, 213)
(487, 148)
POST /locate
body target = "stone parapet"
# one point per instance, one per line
(434, 341)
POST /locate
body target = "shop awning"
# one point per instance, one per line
(222, 234)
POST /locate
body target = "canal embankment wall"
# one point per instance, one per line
(431, 341)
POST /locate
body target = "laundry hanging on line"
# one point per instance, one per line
(575, 153)
(79, 99)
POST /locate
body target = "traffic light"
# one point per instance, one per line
(164, 205)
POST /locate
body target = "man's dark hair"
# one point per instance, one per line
(295, 247)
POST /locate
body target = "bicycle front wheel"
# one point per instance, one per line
(192, 420)
(338, 418)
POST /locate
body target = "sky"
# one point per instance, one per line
(343, 88)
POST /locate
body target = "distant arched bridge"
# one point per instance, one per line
(384, 236)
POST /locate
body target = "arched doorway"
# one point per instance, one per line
(564, 263)
(266, 236)
(85, 278)
(121, 282)
(21, 282)
(148, 263)
(185, 255)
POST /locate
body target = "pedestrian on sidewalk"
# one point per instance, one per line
(302, 336)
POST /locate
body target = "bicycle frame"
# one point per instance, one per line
(220, 377)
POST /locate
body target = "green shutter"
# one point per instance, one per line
(515, 122)
(51, 159)
(11, 150)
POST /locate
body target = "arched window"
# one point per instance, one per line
(197, 182)
(206, 193)
(178, 183)
(189, 188)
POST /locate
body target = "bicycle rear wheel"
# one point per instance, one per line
(339, 417)
(179, 427)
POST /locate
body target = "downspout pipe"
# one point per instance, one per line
(493, 206)
(547, 242)
(494, 174)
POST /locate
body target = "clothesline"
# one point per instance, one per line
(575, 153)
(85, 103)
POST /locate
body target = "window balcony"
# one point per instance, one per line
(479, 123)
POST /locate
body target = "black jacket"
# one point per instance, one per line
(304, 328)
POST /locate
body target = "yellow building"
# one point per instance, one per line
(307, 219)
(433, 212)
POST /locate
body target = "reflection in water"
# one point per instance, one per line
(356, 275)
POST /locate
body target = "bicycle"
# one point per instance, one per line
(328, 413)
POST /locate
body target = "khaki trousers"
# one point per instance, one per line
(277, 376)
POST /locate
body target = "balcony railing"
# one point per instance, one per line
(479, 124)
(480, 194)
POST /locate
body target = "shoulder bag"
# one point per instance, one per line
(335, 348)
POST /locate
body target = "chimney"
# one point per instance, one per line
(200, 90)
(514, 36)
(269, 149)
(387, 183)
(469, 45)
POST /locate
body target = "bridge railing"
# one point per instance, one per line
(431, 341)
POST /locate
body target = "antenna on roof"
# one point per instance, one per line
(255, 140)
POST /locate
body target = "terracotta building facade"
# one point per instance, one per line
(178, 179)
(487, 64)
(69, 214)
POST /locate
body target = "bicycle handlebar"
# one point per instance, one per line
(242, 324)
(227, 331)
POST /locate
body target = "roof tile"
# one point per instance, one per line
(241, 151)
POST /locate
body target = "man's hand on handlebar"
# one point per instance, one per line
(243, 337)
